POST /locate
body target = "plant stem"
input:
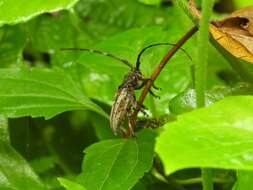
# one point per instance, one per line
(185, 7)
(207, 179)
(202, 53)
(157, 71)
(201, 73)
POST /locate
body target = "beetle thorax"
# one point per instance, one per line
(133, 79)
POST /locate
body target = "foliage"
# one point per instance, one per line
(54, 105)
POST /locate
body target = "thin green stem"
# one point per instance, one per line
(201, 73)
(207, 179)
(185, 7)
(202, 52)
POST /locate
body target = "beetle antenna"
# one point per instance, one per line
(126, 62)
(138, 62)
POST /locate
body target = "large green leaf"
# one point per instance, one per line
(219, 136)
(15, 173)
(244, 180)
(40, 93)
(12, 11)
(117, 164)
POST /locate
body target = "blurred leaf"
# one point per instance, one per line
(186, 101)
(70, 185)
(117, 164)
(12, 42)
(103, 75)
(106, 17)
(15, 173)
(47, 34)
(139, 186)
(150, 2)
(43, 164)
(241, 4)
(219, 136)
(244, 180)
(12, 11)
(40, 93)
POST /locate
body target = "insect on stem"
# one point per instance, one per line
(124, 101)
(156, 73)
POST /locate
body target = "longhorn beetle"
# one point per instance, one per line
(125, 97)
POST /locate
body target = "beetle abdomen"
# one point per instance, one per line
(120, 109)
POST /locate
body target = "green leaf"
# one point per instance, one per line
(12, 11)
(219, 136)
(15, 173)
(12, 42)
(70, 185)
(244, 180)
(117, 164)
(40, 93)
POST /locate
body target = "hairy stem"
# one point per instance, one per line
(201, 73)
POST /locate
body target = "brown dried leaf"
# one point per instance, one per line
(233, 46)
(235, 33)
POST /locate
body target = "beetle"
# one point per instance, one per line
(125, 101)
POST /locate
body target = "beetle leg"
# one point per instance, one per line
(129, 115)
(144, 82)
(153, 94)
(137, 106)
(155, 87)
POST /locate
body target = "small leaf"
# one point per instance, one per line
(70, 185)
(117, 164)
(12, 11)
(219, 136)
(40, 93)
(15, 173)
(244, 180)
